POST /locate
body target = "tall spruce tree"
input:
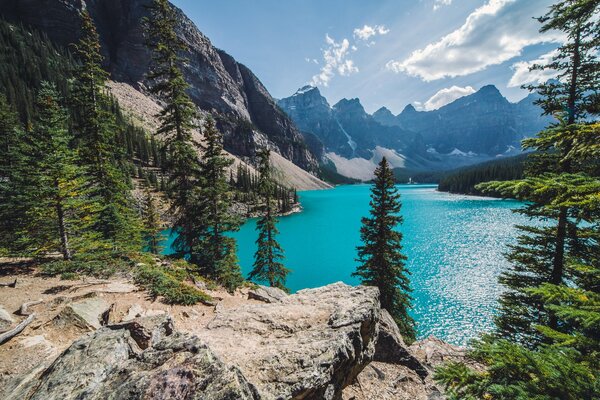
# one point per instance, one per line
(380, 257)
(547, 342)
(267, 259)
(542, 251)
(14, 180)
(114, 219)
(215, 252)
(152, 224)
(58, 207)
(177, 123)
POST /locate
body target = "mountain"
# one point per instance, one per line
(470, 130)
(385, 117)
(484, 123)
(242, 106)
(352, 139)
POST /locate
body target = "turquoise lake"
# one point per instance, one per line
(454, 244)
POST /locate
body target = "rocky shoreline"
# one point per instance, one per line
(105, 339)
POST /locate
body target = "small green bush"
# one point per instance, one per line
(159, 282)
(102, 267)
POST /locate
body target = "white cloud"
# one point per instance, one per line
(440, 3)
(492, 34)
(446, 96)
(335, 58)
(523, 76)
(367, 31)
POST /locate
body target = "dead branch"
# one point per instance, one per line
(6, 336)
(24, 309)
(9, 284)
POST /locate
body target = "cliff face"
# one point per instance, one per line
(246, 112)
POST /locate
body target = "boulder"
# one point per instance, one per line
(108, 363)
(267, 294)
(308, 345)
(88, 313)
(6, 320)
(390, 347)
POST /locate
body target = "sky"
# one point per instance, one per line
(385, 52)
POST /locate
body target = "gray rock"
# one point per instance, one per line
(6, 320)
(390, 347)
(109, 364)
(267, 294)
(309, 345)
(87, 313)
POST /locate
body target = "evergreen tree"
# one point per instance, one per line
(58, 207)
(380, 257)
(152, 224)
(267, 259)
(547, 342)
(14, 179)
(542, 252)
(177, 122)
(97, 138)
(215, 252)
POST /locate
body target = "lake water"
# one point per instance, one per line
(455, 246)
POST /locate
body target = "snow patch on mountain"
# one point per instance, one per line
(363, 169)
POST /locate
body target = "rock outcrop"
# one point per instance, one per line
(309, 345)
(330, 343)
(142, 359)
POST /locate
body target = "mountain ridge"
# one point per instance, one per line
(471, 129)
(244, 109)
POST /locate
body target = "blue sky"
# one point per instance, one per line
(385, 52)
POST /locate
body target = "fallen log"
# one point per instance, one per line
(6, 336)
(24, 309)
(9, 284)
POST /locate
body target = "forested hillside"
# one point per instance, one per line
(465, 179)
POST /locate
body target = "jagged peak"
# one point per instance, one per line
(489, 90)
(306, 89)
(409, 109)
(352, 104)
(383, 110)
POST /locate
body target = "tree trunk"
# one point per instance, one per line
(64, 239)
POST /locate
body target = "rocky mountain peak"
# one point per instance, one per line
(349, 105)
(409, 109)
(385, 117)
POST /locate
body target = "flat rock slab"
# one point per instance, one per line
(267, 294)
(308, 345)
(85, 313)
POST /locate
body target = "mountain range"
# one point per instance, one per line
(471, 129)
(304, 131)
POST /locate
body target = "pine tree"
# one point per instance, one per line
(97, 139)
(548, 338)
(14, 180)
(542, 252)
(267, 259)
(177, 122)
(380, 257)
(152, 224)
(215, 251)
(59, 207)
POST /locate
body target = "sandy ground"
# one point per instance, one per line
(44, 338)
